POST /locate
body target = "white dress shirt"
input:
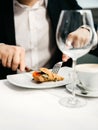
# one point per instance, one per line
(32, 29)
(34, 33)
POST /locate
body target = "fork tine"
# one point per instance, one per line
(57, 67)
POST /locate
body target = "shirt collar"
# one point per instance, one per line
(36, 5)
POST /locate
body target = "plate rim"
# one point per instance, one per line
(44, 86)
(91, 94)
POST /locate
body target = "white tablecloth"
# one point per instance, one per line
(31, 109)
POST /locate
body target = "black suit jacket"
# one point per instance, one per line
(7, 30)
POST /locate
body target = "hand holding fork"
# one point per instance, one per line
(58, 65)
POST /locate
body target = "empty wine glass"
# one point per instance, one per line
(69, 21)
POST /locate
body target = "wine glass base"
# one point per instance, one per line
(72, 102)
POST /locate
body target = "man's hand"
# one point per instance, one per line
(12, 57)
(79, 38)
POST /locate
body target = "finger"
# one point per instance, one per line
(75, 40)
(85, 42)
(9, 61)
(4, 60)
(22, 60)
(65, 57)
(0, 59)
(69, 41)
(16, 61)
(78, 42)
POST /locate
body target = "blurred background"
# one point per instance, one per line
(90, 4)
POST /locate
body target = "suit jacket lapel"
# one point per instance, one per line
(8, 23)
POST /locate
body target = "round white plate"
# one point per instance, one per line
(69, 87)
(25, 80)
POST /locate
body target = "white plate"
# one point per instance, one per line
(69, 87)
(25, 80)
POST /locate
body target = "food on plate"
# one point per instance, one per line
(44, 75)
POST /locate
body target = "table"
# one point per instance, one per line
(31, 109)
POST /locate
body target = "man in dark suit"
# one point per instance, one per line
(18, 36)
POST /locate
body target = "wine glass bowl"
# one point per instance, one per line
(69, 21)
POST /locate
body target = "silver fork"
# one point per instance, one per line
(57, 67)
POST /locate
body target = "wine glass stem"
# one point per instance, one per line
(74, 79)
